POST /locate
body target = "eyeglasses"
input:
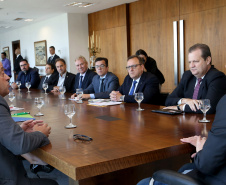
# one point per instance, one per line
(82, 137)
(23, 65)
(132, 67)
(101, 66)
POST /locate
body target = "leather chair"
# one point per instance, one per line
(174, 178)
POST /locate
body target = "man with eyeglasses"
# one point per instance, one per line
(103, 83)
(84, 76)
(137, 81)
(18, 140)
(27, 74)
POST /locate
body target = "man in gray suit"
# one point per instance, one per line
(103, 83)
(16, 140)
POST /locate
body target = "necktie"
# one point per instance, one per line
(51, 58)
(196, 90)
(46, 79)
(80, 82)
(102, 85)
(133, 88)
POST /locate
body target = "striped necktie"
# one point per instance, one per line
(196, 90)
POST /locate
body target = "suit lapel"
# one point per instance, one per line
(86, 78)
(140, 84)
(191, 87)
(130, 81)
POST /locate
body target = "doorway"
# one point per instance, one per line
(15, 45)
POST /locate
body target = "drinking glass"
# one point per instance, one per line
(69, 110)
(45, 87)
(11, 98)
(18, 83)
(139, 97)
(204, 106)
(62, 90)
(39, 102)
(28, 85)
(79, 93)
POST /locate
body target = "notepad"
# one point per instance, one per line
(22, 118)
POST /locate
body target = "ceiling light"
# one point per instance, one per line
(18, 19)
(84, 5)
(2, 0)
(28, 20)
(73, 4)
(79, 4)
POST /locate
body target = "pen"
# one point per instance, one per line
(21, 113)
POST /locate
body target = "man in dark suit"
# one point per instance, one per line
(103, 83)
(64, 78)
(17, 62)
(51, 78)
(84, 76)
(137, 81)
(53, 57)
(17, 140)
(202, 81)
(209, 166)
(27, 74)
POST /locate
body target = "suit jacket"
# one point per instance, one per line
(111, 83)
(14, 141)
(52, 81)
(86, 81)
(53, 61)
(213, 87)
(17, 64)
(68, 82)
(31, 76)
(211, 160)
(148, 85)
(151, 66)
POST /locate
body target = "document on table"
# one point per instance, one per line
(102, 104)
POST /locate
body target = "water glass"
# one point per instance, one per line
(79, 93)
(69, 110)
(45, 87)
(62, 90)
(204, 106)
(11, 98)
(18, 83)
(139, 97)
(39, 102)
(28, 85)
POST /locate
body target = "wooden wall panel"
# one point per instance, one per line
(149, 10)
(110, 26)
(209, 28)
(191, 6)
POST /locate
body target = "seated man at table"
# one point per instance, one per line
(64, 78)
(17, 140)
(103, 83)
(209, 165)
(84, 76)
(137, 81)
(50, 78)
(202, 81)
(27, 74)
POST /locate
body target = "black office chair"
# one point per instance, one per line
(174, 178)
(161, 99)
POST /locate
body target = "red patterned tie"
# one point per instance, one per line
(196, 90)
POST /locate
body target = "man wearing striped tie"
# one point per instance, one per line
(137, 81)
(202, 81)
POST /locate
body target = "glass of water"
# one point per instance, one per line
(45, 87)
(69, 110)
(204, 107)
(39, 102)
(79, 93)
(28, 85)
(11, 98)
(18, 83)
(62, 90)
(139, 97)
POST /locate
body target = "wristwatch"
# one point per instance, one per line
(122, 98)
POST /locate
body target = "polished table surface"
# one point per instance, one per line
(133, 139)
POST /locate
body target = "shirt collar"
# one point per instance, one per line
(63, 76)
(103, 76)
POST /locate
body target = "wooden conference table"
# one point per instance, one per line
(127, 147)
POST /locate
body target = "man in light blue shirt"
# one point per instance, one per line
(6, 64)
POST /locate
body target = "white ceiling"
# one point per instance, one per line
(39, 10)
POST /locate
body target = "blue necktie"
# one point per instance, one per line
(133, 87)
(80, 83)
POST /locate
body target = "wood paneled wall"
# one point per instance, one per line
(110, 26)
(149, 26)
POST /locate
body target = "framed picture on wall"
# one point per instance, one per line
(40, 53)
(6, 50)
